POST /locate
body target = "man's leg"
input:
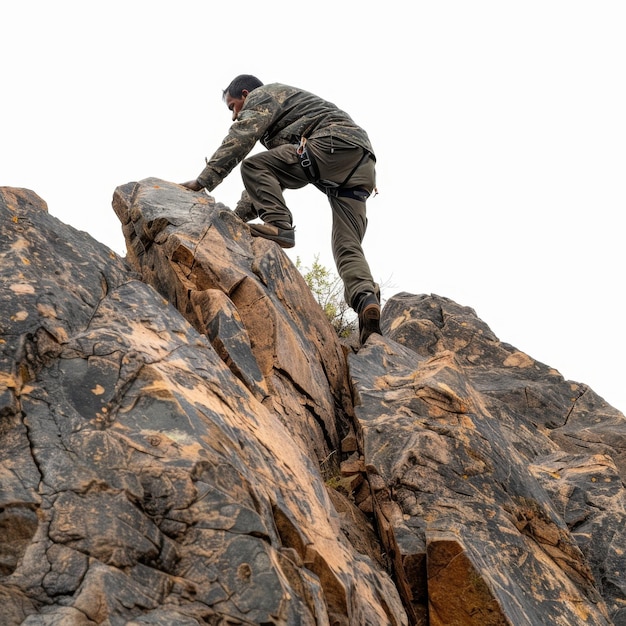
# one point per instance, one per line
(363, 295)
(244, 209)
(336, 159)
(265, 175)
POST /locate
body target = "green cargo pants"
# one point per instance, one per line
(267, 174)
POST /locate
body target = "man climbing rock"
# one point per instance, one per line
(308, 140)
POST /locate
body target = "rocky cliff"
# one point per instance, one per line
(184, 441)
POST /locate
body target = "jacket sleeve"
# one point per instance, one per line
(250, 126)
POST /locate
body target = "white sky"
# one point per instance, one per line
(499, 129)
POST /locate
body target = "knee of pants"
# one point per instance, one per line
(246, 168)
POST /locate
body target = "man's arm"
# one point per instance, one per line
(242, 136)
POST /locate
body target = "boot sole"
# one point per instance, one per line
(281, 241)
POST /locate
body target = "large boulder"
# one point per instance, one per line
(143, 479)
(490, 514)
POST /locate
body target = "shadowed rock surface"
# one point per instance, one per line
(184, 440)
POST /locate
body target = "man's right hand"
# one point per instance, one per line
(194, 185)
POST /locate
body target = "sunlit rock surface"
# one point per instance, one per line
(184, 440)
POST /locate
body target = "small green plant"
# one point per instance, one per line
(334, 482)
(327, 289)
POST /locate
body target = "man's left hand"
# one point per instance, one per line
(194, 185)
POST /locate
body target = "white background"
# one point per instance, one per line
(499, 129)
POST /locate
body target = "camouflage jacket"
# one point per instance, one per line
(276, 114)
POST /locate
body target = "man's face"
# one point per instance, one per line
(235, 104)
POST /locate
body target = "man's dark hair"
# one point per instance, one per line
(239, 83)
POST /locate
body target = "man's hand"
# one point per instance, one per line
(194, 185)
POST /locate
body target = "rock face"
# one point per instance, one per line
(184, 440)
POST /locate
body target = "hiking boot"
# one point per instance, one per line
(282, 233)
(369, 317)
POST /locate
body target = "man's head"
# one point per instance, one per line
(235, 94)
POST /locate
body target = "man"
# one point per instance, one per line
(308, 140)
